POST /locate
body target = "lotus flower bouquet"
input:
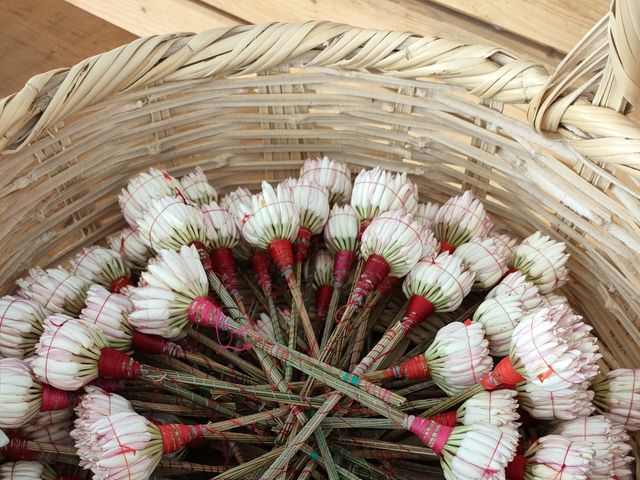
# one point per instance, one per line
(417, 305)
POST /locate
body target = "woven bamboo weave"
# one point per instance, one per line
(549, 152)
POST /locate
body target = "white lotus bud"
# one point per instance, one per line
(554, 456)
(222, 229)
(129, 244)
(323, 272)
(26, 470)
(172, 281)
(378, 191)
(550, 354)
(312, 203)
(499, 316)
(103, 266)
(170, 223)
(542, 261)
(331, 174)
(109, 312)
(20, 393)
(497, 408)
(487, 258)
(143, 188)
(460, 220)
(598, 431)
(517, 284)
(20, 326)
(481, 451)
(426, 214)
(566, 404)
(50, 427)
(57, 290)
(197, 189)
(458, 357)
(395, 237)
(618, 396)
(342, 229)
(268, 216)
(442, 280)
(68, 352)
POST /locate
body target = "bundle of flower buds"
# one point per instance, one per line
(333, 325)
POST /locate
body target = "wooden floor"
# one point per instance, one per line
(37, 35)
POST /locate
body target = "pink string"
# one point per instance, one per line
(432, 434)
(203, 311)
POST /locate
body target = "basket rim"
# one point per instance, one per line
(485, 71)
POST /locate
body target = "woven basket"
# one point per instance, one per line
(250, 103)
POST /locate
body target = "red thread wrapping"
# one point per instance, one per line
(204, 255)
(54, 399)
(418, 310)
(115, 364)
(447, 247)
(323, 299)
(450, 418)
(109, 384)
(224, 267)
(261, 263)
(152, 344)
(176, 436)
(16, 450)
(363, 226)
(203, 311)
(342, 263)
(282, 254)
(430, 433)
(388, 285)
(301, 245)
(120, 284)
(515, 468)
(416, 368)
(375, 270)
(503, 373)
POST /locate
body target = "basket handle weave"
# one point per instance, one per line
(485, 71)
(605, 64)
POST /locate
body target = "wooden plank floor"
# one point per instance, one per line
(38, 35)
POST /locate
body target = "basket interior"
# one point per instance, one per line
(60, 192)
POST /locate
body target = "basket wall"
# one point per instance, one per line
(245, 112)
